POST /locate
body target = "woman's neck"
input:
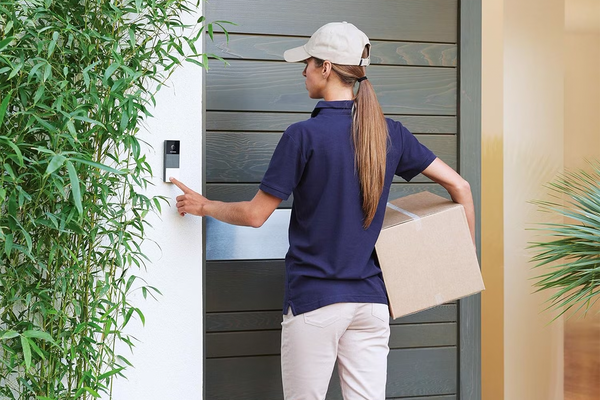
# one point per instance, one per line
(335, 92)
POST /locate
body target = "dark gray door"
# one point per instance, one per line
(416, 51)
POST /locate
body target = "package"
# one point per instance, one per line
(426, 253)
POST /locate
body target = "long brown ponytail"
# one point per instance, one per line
(369, 135)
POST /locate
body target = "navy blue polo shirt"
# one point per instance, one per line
(331, 258)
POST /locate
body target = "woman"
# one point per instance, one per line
(339, 165)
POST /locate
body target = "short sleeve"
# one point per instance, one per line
(415, 157)
(285, 169)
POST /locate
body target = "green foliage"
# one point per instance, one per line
(77, 78)
(572, 257)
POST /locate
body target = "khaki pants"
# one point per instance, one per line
(354, 334)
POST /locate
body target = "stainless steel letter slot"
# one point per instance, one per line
(230, 242)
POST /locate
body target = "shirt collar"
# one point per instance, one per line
(343, 106)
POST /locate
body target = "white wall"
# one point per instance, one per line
(168, 357)
(582, 142)
(582, 82)
(533, 155)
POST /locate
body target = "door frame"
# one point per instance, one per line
(469, 163)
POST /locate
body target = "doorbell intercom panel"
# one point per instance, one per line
(171, 160)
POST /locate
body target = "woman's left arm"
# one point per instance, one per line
(458, 188)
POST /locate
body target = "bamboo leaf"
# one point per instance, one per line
(38, 335)
(126, 361)
(130, 282)
(15, 148)
(89, 120)
(178, 48)
(39, 93)
(36, 349)
(4, 106)
(141, 315)
(26, 351)
(55, 163)
(216, 57)
(97, 165)
(45, 124)
(220, 25)
(110, 373)
(86, 78)
(110, 70)
(47, 72)
(75, 188)
(8, 244)
(210, 31)
(190, 43)
(16, 69)
(91, 391)
(9, 335)
(132, 34)
(52, 44)
(27, 237)
(128, 316)
(35, 69)
(193, 61)
(5, 42)
(124, 121)
(71, 128)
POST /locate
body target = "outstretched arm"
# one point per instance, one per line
(458, 188)
(246, 213)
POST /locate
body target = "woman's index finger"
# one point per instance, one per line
(180, 185)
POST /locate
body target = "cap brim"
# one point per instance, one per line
(296, 54)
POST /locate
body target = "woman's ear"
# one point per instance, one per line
(326, 69)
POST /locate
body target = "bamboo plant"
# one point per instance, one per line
(77, 81)
(571, 256)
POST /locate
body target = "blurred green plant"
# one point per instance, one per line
(77, 80)
(571, 256)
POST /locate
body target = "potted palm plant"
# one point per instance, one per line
(571, 256)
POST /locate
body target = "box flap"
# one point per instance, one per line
(420, 204)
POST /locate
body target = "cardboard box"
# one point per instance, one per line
(426, 253)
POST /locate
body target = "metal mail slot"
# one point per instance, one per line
(232, 242)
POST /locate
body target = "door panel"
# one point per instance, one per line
(278, 122)
(245, 191)
(268, 342)
(249, 103)
(424, 371)
(247, 85)
(219, 321)
(414, 20)
(254, 47)
(236, 157)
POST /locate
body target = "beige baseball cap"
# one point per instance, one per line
(339, 42)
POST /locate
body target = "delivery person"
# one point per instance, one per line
(339, 165)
